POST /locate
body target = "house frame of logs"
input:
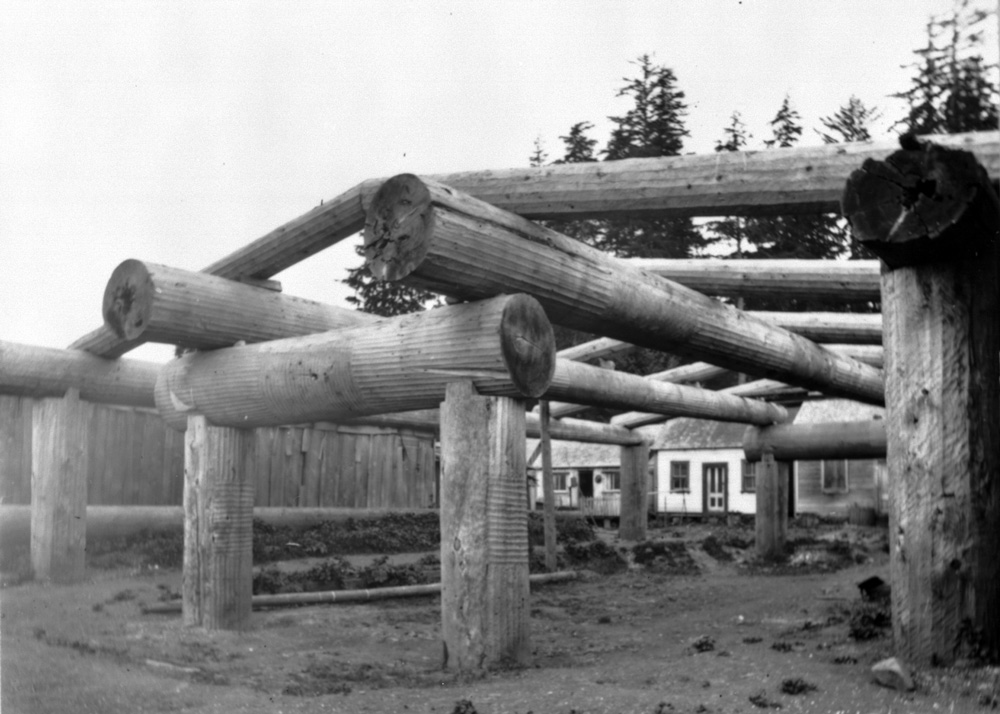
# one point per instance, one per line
(472, 369)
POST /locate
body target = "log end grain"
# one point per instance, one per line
(528, 345)
(397, 226)
(920, 206)
(128, 299)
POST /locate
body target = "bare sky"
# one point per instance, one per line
(176, 132)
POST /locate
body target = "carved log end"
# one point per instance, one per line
(398, 222)
(128, 299)
(528, 345)
(920, 205)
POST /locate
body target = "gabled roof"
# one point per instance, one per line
(574, 454)
(698, 434)
(823, 411)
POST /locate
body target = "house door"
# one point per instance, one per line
(716, 477)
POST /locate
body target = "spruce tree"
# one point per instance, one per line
(382, 298)
(653, 126)
(731, 230)
(953, 89)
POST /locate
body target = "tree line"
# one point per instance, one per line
(952, 90)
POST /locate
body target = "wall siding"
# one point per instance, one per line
(135, 459)
(811, 498)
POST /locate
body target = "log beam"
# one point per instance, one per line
(797, 279)
(156, 303)
(707, 185)
(484, 531)
(218, 526)
(30, 371)
(933, 218)
(59, 449)
(436, 238)
(505, 345)
(813, 442)
(584, 384)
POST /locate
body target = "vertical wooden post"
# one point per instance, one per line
(932, 217)
(548, 491)
(484, 534)
(771, 523)
(218, 526)
(59, 488)
(634, 488)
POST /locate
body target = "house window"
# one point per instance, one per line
(680, 476)
(833, 476)
(560, 480)
(749, 483)
(612, 480)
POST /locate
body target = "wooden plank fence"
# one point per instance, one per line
(135, 459)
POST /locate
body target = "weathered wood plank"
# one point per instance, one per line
(59, 488)
(634, 487)
(771, 522)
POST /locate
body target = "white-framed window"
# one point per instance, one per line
(748, 482)
(560, 480)
(680, 476)
(612, 480)
(834, 476)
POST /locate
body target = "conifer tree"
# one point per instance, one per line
(953, 89)
(653, 126)
(382, 298)
(731, 230)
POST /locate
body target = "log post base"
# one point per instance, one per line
(484, 533)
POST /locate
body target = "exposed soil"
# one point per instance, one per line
(686, 622)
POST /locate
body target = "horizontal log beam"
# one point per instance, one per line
(593, 386)
(505, 345)
(728, 183)
(771, 181)
(757, 389)
(30, 371)
(156, 303)
(813, 442)
(434, 237)
(799, 279)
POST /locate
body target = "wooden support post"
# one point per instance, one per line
(484, 534)
(771, 522)
(932, 216)
(634, 489)
(59, 489)
(218, 526)
(548, 491)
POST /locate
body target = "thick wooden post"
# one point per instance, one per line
(59, 488)
(218, 526)
(933, 218)
(484, 533)
(548, 491)
(771, 523)
(634, 487)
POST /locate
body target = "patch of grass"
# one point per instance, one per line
(760, 700)
(569, 529)
(597, 556)
(713, 547)
(669, 556)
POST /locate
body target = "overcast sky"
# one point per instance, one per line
(176, 132)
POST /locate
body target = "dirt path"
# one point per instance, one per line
(644, 640)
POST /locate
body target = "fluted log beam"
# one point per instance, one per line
(157, 303)
(31, 371)
(434, 237)
(504, 345)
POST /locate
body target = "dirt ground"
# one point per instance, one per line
(694, 629)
